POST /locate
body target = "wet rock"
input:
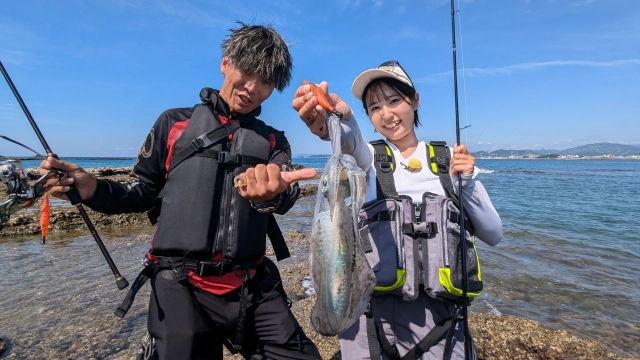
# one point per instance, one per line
(306, 190)
(509, 337)
(295, 235)
(121, 173)
(3, 346)
(65, 220)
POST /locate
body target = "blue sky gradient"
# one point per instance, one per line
(537, 74)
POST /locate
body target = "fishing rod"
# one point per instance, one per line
(72, 194)
(463, 242)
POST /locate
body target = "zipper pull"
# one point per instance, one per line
(417, 210)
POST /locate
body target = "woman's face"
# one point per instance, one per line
(391, 112)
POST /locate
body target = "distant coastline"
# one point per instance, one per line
(22, 158)
(633, 157)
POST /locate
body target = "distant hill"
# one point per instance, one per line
(507, 153)
(598, 149)
(602, 149)
(302, 155)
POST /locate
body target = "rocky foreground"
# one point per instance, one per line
(68, 219)
(496, 337)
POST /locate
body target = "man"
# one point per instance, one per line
(211, 175)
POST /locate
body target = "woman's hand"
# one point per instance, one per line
(306, 104)
(461, 161)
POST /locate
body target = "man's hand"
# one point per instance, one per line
(264, 182)
(306, 104)
(462, 161)
(74, 175)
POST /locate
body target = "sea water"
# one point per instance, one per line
(88, 162)
(570, 259)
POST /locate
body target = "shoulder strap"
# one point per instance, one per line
(377, 339)
(439, 159)
(205, 140)
(384, 166)
(280, 247)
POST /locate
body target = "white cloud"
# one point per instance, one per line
(506, 70)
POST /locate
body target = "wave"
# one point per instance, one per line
(485, 171)
(493, 310)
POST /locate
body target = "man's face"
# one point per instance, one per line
(242, 91)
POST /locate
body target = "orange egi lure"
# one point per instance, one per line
(322, 99)
(45, 217)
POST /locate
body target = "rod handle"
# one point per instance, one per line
(73, 194)
(121, 282)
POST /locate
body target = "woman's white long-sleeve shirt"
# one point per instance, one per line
(477, 205)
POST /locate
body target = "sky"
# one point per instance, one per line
(532, 74)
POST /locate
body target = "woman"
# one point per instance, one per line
(391, 102)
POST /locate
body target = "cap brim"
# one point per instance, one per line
(365, 77)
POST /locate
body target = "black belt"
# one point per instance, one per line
(200, 268)
(209, 268)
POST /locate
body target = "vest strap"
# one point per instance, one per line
(377, 339)
(204, 141)
(379, 216)
(277, 240)
(420, 228)
(147, 273)
(225, 157)
(385, 166)
(439, 163)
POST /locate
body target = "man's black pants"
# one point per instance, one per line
(190, 323)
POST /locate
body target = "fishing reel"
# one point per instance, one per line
(19, 194)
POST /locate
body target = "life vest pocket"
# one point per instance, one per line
(443, 278)
(381, 232)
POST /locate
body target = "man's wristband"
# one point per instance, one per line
(269, 206)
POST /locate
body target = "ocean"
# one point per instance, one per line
(570, 257)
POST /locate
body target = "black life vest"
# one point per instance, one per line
(202, 213)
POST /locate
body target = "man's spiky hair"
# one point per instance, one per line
(258, 48)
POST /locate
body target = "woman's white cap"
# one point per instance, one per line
(388, 69)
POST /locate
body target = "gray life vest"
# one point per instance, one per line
(409, 245)
(202, 213)
(413, 246)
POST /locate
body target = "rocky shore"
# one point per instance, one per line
(68, 219)
(496, 337)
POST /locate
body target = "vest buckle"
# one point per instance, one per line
(442, 164)
(385, 166)
(226, 157)
(423, 227)
(197, 144)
